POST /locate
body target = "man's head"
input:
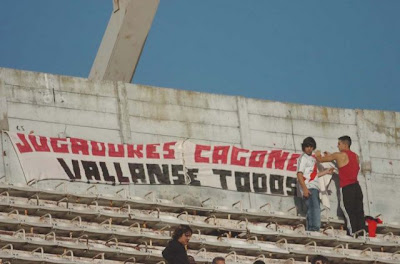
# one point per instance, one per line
(319, 260)
(308, 145)
(344, 143)
(218, 260)
(259, 262)
(182, 234)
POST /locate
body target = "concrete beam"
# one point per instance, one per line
(243, 115)
(123, 40)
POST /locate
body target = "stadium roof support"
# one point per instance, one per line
(124, 39)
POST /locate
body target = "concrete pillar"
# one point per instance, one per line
(123, 40)
(123, 112)
(3, 127)
(365, 160)
(3, 114)
(245, 139)
(2, 157)
(243, 115)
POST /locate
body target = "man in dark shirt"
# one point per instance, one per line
(175, 252)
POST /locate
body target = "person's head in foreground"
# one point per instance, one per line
(182, 234)
(259, 262)
(218, 260)
(191, 260)
(319, 260)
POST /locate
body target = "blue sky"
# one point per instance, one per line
(331, 53)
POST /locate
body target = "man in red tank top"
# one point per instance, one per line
(350, 191)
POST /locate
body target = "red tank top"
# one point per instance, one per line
(348, 173)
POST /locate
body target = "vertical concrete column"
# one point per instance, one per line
(365, 160)
(123, 112)
(397, 127)
(3, 111)
(245, 141)
(243, 115)
(123, 40)
(3, 157)
(3, 126)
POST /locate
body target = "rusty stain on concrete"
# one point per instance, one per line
(325, 114)
(4, 122)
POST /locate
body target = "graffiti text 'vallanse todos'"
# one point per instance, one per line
(177, 163)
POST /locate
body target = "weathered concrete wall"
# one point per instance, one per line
(54, 105)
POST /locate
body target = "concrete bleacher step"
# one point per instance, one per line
(156, 220)
(152, 221)
(80, 247)
(149, 201)
(84, 248)
(10, 255)
(231, 244)
(122, 198)
(73, 245)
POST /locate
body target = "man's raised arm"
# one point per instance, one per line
(327, 157)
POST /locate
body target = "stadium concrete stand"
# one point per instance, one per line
(51, 213)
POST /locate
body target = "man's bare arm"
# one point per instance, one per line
(328, 157)
(325, 172)
(303, 186)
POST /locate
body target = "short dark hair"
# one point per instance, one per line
(217, 259)
(191, 260)
(259, 262)
(346, 140)
(308, 142)
(319, 257)
(180, 230)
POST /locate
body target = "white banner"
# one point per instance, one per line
(171, 163)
